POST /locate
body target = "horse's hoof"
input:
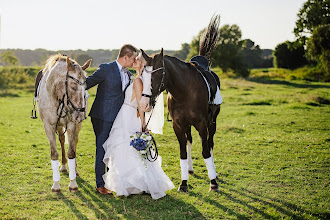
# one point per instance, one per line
(183, 188)
(56, 190)
(191, 172)
(214, 188)
(56, 187)
(64, 169)
(73, 189)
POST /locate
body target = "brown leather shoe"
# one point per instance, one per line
(104, 191)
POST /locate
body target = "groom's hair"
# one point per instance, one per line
(127, 49)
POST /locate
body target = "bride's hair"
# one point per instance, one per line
(142, 60)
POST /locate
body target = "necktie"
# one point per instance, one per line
(124, 78)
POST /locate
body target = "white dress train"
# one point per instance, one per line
(127, 173)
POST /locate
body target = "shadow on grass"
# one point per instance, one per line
(111, 207)
(284, 82)
(289, 210)
(287, 205)
(70, 204)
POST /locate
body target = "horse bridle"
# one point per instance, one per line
(162, 84)
(68, 101)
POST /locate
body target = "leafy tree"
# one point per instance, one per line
(9, 58)
(312, 14)
(289, 55)
(318, 47)
(183, 52)
(228, 54)
(252, 54)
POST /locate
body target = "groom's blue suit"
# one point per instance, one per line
(108, 101)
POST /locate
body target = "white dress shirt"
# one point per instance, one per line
(123, 75)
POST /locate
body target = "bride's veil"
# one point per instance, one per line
(156, 122)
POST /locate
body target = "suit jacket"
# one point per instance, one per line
(109, 96)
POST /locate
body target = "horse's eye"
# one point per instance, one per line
(74, 88)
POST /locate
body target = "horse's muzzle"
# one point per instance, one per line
(78, 116)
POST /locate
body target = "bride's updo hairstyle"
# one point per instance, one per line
(141, 58)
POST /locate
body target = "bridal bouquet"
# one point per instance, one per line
(145, 144)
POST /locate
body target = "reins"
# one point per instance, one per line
(154, 158)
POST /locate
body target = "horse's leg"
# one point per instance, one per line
(212, 129)
(50, 132)
(181, 136)
(71, 131)
(78, 127)
(189, 143)
(61, 138)
(203, 133)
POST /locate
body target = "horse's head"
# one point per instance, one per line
(75, 86)
(155, 71)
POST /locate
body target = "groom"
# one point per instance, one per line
(112, 80)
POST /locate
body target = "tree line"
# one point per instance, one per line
(38, 57)
(312, 44)
(311, 48)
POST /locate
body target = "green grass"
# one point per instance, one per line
(271, 154)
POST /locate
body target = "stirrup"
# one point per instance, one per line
(34, 116)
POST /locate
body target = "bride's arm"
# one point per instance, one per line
(138, 88)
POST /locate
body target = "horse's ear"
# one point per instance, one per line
(87, 64)
(69, 64)
(161, 54)
(146, 57)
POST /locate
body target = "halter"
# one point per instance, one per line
(68, 101)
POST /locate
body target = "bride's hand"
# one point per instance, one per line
(146, 130)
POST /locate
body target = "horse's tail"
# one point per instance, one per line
(210, 37)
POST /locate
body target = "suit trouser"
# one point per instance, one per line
(102, 130)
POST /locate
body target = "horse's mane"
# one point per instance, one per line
(210, 37)
(56, 58)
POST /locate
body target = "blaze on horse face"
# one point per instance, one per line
(156, 65)
(76, 90)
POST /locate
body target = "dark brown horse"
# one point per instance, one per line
(189, 101)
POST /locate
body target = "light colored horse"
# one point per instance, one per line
(62, 107)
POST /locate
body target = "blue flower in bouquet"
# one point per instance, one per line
(142, 142)
(139, 144)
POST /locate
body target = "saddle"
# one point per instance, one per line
(211, 78)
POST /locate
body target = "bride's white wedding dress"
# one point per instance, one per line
(127, 174)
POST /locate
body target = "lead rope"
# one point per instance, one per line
(154, 158)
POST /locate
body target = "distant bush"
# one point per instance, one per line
(304, 73)
(11, 77)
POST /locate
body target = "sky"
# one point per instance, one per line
(147, 24)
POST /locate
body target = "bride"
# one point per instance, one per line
(127, 174)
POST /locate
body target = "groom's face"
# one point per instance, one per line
(130, 60)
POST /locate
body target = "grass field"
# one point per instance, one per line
(271, 153)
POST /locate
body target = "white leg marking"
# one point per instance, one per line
(184, 169)
(210, 168)
(72, 168)
(56, 171)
